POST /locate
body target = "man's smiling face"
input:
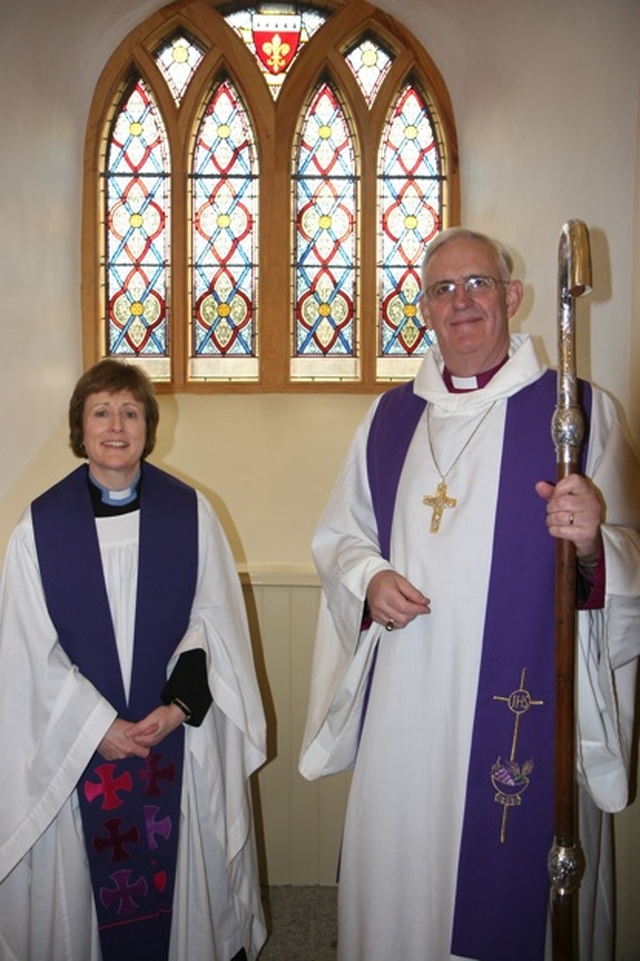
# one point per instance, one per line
(472, 327)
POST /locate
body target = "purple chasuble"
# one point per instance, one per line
(503, 886)
(130, 808)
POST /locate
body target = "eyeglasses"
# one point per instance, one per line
(476, 286)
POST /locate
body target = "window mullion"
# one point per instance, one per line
(275, 271)
(367, 306)
(179, 277)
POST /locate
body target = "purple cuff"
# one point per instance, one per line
(591, 598)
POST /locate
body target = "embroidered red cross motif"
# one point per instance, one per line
(116, 840)
(153, 774)
(124, 893)
(107, 786)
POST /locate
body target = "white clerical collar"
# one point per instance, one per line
(524, 368)
(117, 498)
(464, 383)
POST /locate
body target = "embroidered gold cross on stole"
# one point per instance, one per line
(509, 778)
(437, 502)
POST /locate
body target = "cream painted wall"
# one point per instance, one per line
(265, 462)
(546, 101)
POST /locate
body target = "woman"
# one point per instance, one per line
(128, 685)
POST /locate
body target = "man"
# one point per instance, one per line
(434, 664)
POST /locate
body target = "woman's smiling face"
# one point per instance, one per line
(114, 434)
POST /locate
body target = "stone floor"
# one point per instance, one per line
(302, 923)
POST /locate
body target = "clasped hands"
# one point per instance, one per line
(575, 511)
(129, 739)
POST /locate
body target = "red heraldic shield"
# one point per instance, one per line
(276, 41)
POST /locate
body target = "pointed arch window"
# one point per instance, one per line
(325, 342)
(136, 216)
(223, 270)
(410, 205)
(261, 182)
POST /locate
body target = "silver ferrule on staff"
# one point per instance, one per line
(574, 279)
(565, 864)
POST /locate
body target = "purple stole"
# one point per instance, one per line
(503, 886)
(130, 808)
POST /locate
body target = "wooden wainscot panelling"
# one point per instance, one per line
(300, 823)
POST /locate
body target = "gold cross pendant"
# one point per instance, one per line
(437, 502)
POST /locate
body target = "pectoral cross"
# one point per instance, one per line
(437, 502)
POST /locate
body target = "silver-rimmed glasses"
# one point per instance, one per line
(475, 285)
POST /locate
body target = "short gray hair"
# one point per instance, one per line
(505, 260)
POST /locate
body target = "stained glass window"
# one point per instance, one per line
(275, 33)
(178, 59)
(410, 201)
(136, 198)
(224, 230)
(260, 190)
(325, 332)
(369, 62)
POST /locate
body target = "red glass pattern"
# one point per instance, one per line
(224, 271)
(325, 231)
(410, 200)
(136, 217)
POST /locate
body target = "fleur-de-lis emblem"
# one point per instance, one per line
(276, 52)
(276, 38)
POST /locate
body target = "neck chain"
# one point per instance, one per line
(439, 501)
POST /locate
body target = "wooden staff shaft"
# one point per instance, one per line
(574, 263)
(565, 674)
(563, 907)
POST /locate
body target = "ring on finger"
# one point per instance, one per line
(389, 626)
(571, 518)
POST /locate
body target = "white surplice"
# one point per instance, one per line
(52, 720)
(398, 864)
